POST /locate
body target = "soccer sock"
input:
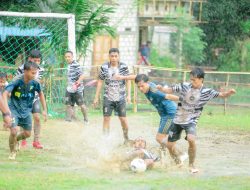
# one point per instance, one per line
(21, 136)
(37, 129)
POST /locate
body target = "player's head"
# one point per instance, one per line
(139, 142)
(114, 55)
(30, 70)
(142, 82)
(69, 57)
(197, 77)
(35, 56)
(3, 78)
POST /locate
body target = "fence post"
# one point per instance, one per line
(135, 92)
(225, 99)
(184, 76)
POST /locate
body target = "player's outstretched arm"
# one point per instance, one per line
(5, 108)
(164, 89)
(121, 77)
(172, 97)
(43, 102)
(227, 93)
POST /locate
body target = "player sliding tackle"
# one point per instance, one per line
(193, 97)
(164, 105)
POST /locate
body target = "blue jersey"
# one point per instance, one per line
(22, 96)
(157, 98)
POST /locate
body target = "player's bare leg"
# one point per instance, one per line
(69, 113)
(106, 125)
(37, 130)
(174, 152)
(124, 124)
(84, 113)
(192, 153)
(12, 143)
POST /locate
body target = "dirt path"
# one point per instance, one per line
(73, 145)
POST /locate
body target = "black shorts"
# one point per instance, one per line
(174, 131)
(72, 98)
(36, 107)
(118, 106)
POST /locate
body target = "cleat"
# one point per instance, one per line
(37, 145)
(12, 156)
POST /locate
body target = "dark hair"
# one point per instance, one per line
(28, 65)
(71, 52)
(35, 54)
(3, 75)
(198, 73)
(141, 77)
(114, 50)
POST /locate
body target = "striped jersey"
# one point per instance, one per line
(114, 90)
(39, 75)
(74, 71)
(189, 110)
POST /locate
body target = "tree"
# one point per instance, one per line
(187, 40)
(224, 26)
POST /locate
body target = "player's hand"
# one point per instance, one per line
(96, 101)
(118, 77)
(232, 91)
(159, 87)
(129, 99)
(45, 115)
(7, 121)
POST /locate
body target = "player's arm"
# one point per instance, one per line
(81, 78)
(43, 102)
(227, 93)
(5, 108)
(98, 91)
(173, 97)
(165, 89)
(121, 77)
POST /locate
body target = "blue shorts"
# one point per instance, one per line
(25, 123)
(165, 123)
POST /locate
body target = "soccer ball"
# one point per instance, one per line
(138, 165)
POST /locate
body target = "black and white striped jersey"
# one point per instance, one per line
(39, 75)
(114, 90)
(74, 71)
(189, 110)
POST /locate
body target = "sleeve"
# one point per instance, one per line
(38, 87)
(20, 70)
(124, 70)
(178, 87)
(213, 94)
(158, 93)
(11, 86)
(102, 73)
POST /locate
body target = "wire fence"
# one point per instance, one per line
(55, 82)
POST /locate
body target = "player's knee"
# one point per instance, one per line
(106, 119)
(191, 139)
(170, 145)
(13, 131)
(123, 119)
(36, 118)
(27, 134)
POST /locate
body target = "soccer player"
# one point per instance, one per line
(74, 91)
(194, 96)
(36, 57)
(21, 103)
(114, 92)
